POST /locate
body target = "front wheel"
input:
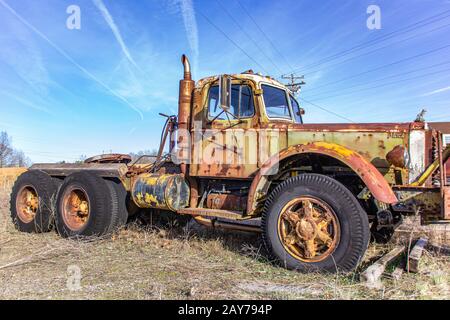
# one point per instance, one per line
(314, 223)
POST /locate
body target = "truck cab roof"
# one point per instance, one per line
(246, 75)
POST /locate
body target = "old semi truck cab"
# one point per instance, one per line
(239, 155)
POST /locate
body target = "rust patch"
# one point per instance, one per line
(226, 202)
(396, 157)
(109, 158)
(167, 191)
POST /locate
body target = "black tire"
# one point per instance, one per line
(103, 205)
(120, 218)
(353, 222)
(46, 188)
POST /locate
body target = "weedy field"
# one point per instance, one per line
(148, 260)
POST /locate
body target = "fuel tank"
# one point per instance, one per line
(161, 191)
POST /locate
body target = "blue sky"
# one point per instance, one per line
(66, 92)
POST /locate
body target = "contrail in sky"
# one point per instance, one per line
(68, 57)
(110, 21)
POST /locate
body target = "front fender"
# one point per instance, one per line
(370, 175)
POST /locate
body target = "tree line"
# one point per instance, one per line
(9, 156)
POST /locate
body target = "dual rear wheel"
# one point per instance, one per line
(33, 200)
(82, 205)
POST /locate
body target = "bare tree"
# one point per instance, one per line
(144, 156)
(81, 159)
(5, 149)
(19, 159)
(10, 157)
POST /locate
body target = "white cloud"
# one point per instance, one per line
(70, 59)
(110, 21)
(436, 91)
(139, 86)
(21, 53)
(186, 8)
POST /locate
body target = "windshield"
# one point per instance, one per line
(241, 102)
(296, 110)
(276, 102)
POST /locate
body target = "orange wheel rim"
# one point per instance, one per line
(27, 204)
(308, 229)
(75, 208)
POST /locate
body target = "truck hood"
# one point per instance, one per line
(359, 127)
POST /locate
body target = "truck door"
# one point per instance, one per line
(228, 148)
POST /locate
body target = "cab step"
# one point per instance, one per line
(225, 214)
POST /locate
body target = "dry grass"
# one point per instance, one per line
(8, 176)
(156, 262)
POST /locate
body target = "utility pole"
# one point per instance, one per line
(294, 85)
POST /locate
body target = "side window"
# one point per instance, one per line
(241, 103)
(296, 110)
(446, 139)
(213, 102)
(276, 102)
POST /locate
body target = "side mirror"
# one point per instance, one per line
(302, 111)
(225, 92)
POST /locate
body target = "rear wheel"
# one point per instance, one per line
(314, 223)
(86, 206)
(32, 202)
(121, 194)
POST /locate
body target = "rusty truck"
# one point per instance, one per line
(238, 155)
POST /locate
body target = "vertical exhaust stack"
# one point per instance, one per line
(184, 113)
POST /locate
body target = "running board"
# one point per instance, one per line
(225, 214)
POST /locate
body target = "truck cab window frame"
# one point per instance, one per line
(274, 102)
(242, 104)
(446, 139)
(295, 106)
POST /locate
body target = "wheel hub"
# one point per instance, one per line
(27, 204)
(75, 208)
(306, 229)
(309, 229)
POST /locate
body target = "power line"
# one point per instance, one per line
(249, 36)
(380, 79)
(378, 49)
(251, 58)
(294, 85)
(387, 84)
(231, 40)
(373, 41)
(327, 110)
(384, 66)
(376, 40)
(265, 35)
